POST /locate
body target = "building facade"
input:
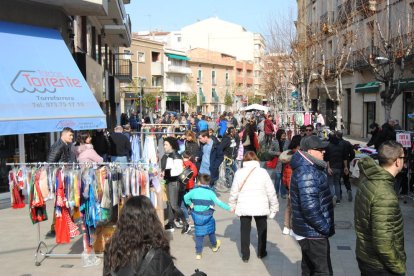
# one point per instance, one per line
(92, 32)
(356, 26)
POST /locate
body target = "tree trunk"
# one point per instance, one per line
(339, 105)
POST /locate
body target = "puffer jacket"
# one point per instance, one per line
(257, 197)
(378, 220)
(311, 198)
(86, 153)
(60, 152)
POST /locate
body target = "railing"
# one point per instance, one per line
(178, 69)
(123, 68)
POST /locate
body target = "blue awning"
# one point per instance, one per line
(174, 56)
(42, 89)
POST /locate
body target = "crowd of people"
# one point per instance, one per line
(270, 163)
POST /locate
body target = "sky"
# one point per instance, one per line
(164, 15)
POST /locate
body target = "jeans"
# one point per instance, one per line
(369, 271)
(316, 257)
(174, 210)
(120, 159)
(245, 228)
(280, 189)
(200, 239)
(334, 182)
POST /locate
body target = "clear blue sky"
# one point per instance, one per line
(170, 15)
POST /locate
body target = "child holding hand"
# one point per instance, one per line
(202, 200)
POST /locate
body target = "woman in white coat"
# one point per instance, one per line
(253, 195)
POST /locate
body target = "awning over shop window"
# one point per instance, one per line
(367, 87)
(173, 98)
(180, 57)
(406, 83)
(42, 89)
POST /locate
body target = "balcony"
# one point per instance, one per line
(80, 7)
(170, 86)
(123, 68)
(117, 24)
(178, 69)
(326, 22)
(157, 69)
(344, 12)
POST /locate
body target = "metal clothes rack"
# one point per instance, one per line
(42, 249)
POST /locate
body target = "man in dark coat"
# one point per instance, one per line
(211, 156)
(120, 146)
(60, 151)
(386, 133)
(312, 206)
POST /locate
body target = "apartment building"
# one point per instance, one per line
(363, 21)
(212, 78)
(147, 58)
(66, 55)
(225, 37)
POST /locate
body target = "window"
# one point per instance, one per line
(178, 38)
(156, 81)
(227, 79)
(155, 56)
(141, 57)
(213, 78)
(199, 76)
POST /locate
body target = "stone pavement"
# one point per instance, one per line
(18, 242)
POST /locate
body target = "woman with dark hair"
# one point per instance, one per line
(253, 195)
(191, 145)
(171, 167)
(248, 138)
(138, 236)
(83, 149)
(285, 158)
(282, 144)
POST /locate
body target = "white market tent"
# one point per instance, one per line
(255, 107)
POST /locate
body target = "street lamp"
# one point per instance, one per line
(142, 82)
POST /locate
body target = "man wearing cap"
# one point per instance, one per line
(312, 207)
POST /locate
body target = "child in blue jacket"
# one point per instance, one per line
(201, 200)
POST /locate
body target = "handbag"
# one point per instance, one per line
(186, 175)
(272, 163)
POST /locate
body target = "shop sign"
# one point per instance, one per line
(404, 138)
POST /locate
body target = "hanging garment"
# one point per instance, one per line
(136, 148)
(64, 226)
(308, 119)
(17, 198)
(37, 204)
(149, 151)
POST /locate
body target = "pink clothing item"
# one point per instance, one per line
(86, 153)
(307, 120)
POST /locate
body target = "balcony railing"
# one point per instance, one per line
(123, 69)
(178, 69)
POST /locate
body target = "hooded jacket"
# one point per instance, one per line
(216, 157)
(311, 198)
(86, 153)
(378, 220)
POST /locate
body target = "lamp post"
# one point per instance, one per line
(142, 82)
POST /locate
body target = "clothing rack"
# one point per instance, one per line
(42, 251)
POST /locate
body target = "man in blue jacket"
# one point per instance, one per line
(312, 206)
(211, 156)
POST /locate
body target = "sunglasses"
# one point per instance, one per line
(308, 129)
(320, 150)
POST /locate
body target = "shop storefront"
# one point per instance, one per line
(43, 91)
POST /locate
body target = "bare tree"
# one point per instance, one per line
(391, 43)
(341, 39)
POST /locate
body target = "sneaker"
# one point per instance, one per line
(169, 227)
(198, 256)
(186, 229)
(349, 195)
(286, 231)
(178, 224)
(217, 246)
(262, 255)
(334, 201)
(338, 202)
